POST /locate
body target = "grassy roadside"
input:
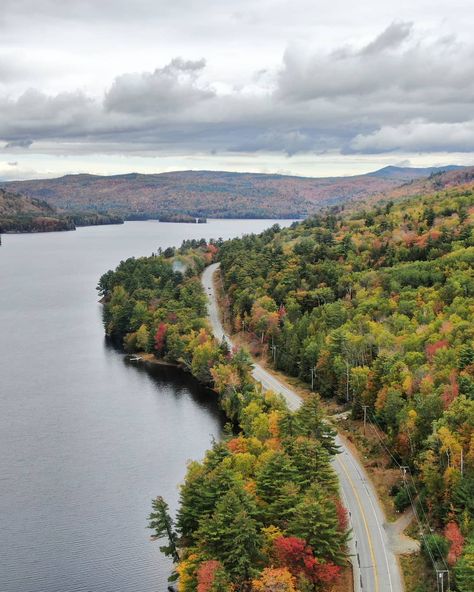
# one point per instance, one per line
(416, 576)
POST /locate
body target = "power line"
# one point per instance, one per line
(421, 526)
(425, 517)
(410, 497)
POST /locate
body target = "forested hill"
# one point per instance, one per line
(19, 213)
(212, 194)
(421, 186)
(379, 308)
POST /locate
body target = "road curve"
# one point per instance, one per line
(376, 568)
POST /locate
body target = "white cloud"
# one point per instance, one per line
(418, 136)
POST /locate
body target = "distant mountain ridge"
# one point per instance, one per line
(212, 193)
(407, 173)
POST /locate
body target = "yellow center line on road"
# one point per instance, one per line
(369, 540)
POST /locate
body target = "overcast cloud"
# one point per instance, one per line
(303, 87)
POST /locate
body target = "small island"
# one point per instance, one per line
(182, 219)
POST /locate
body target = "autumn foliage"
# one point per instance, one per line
(378, 313)
(160, 337)
(298, 557)
(453, 535)
(274, 579)
(342, 516)
(205, 575)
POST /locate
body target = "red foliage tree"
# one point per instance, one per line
(451, 390)
(456, 542)
(294, 554)
(160, 337)
(210, 253)
(326, 573)
(205, 575)
(432, 348)
(342, 517)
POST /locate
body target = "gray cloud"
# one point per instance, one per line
(289, 142)
(35, 115)
(418, 137)
(441, 67)
(21, 144)
(395, 93)
(171, 88)
(391, 38)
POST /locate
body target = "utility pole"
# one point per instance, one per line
(274, 353)
(347, 381)
(404, 471)
(441, 576)
(364, 407)
(313, 371)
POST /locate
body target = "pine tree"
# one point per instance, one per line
(199, 495)
(274, 473)
(162, 523)
(316, 521)
(312, 465)
(230, 535)
(309, 421)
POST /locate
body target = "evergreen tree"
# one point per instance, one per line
(273, 474)
(310, 423)
(162, 523)
(311, 462)
(231, 534)
(464, 569)
(199, 495)
(316, 522)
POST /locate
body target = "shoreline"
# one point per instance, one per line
(152, 360)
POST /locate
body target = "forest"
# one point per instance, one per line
(262, 511)
(20, 213)
(373, 308)
(376, 308)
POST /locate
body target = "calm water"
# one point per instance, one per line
(87, 438)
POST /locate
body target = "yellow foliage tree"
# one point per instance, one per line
(274, 579)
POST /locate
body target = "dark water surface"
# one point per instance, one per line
(87, 438)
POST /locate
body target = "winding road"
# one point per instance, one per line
(375, 566)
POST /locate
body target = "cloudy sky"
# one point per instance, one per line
(307, 87)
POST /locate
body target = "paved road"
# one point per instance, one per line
(375, 566)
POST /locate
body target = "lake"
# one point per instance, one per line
(88, 438)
